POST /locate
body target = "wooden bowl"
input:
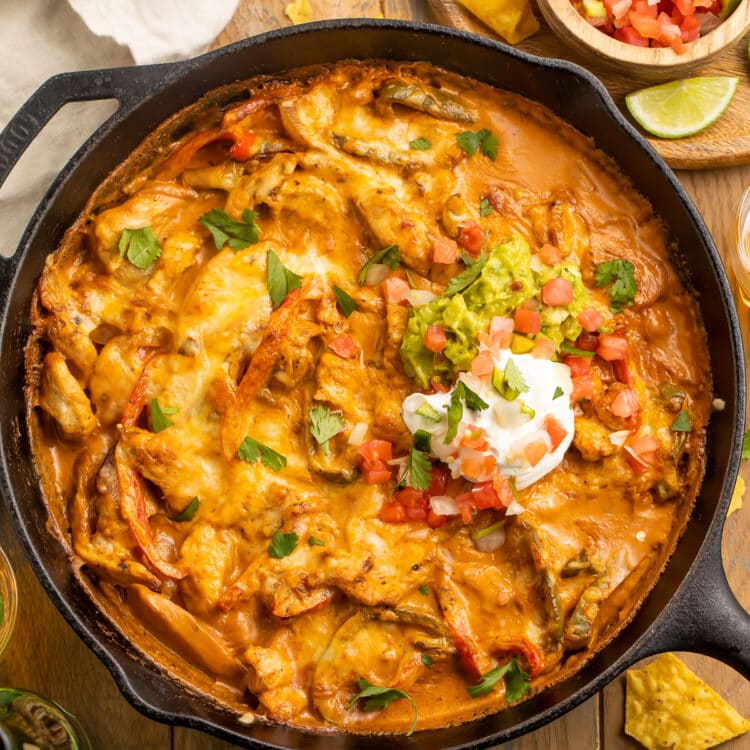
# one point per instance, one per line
(646, 63)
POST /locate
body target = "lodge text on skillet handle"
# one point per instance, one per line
(704, 617)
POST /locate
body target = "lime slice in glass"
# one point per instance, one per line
(681, 108)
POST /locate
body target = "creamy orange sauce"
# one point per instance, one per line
(333, 180)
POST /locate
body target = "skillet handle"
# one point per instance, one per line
(704, 617)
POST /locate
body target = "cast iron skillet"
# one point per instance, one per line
(691, 606)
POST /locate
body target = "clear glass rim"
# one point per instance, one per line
(9, 591)
(742, 233)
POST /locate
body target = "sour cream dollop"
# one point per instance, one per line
(513, 428)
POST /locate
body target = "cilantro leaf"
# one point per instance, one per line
(466, 278)
(514, 379)
(159, 419)
(325, 424)
(516, 683)
(417, 471)
(279, 279)
(141, 246)
(469, 141)
(424, 590)
(420, 144)
(282, 544)
(682, 423)
(347, 304)
(313, 541)
(389, 256)
(227, 231)
(746, 446)
(456, 409)
(377, 698)
(251, 450)
(189, 511)
(558, 392)
(427, 661)
(485, 207)
(622, 273)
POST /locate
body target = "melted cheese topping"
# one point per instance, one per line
(291, 581)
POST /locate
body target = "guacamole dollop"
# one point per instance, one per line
(506, 281)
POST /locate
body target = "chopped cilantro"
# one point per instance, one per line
(485, 207)
(279, 279)
(140, 246)
(282, 544)
(466, 278)
(456, 409)
(427, 661)
(622, 273)
(420, 144)
(558, 392)
(347, 304)
(313, 541)
(469, 141)
(325, 424)
(389, 256)
(377, 698)
(189, 511)
(227, 231)
(417, 470)
(424, 590)
(682, 423)
(516, 681)
(159, 419)
(251, 450)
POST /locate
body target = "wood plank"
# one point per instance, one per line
(46, 656)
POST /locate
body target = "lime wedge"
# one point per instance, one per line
(681, 108)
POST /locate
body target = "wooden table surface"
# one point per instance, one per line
(45, 654)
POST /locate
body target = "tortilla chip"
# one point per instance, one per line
(512, 19)
(737, 495)
(298, 11)
(668, 706)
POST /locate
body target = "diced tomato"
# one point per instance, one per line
(642, 6)
(622, 371)
(690, 28)
(583, 387)
(445, 250)
(670, 34)
(527, 321)
(501, 332)
(483, 364)
(476, 465)
(378, 475)
(344, 346)
(642, 453)
(555, 430)
(543, 348)
(435, 338)
(393, 511)
(465, 502)
(376, 450)
(591, 319)
(395, 290)
(625, 404)
(485, 496)
(416, 503)
(612, 346)
(557, 292)
(471, 237)
(645, 25)
(241, 149)
(579, 366)
(503, 489)
(588, 342)
(475, 438)
(535, 451)
(441, 474)
(550, 254)
(435, 521)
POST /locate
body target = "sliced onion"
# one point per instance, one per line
(536, 264)
(619, 437)
(492, 541)
(444, 505)
(515, 509)
(638, 457)
(357, 435)
(419, 297)
(398, 461)
(376, 273)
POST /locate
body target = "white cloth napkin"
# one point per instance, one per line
(157, 30)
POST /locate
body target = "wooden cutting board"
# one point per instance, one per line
(725, 143)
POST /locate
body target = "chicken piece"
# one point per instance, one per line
(197, 642)
(224, 176)
(62, 397)
(261, 184)
(592, 439)
(210, 555)
(73, 342)
(344, 384)
(602, 403)
(384, 653)
(455, 213)
(559, 224)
